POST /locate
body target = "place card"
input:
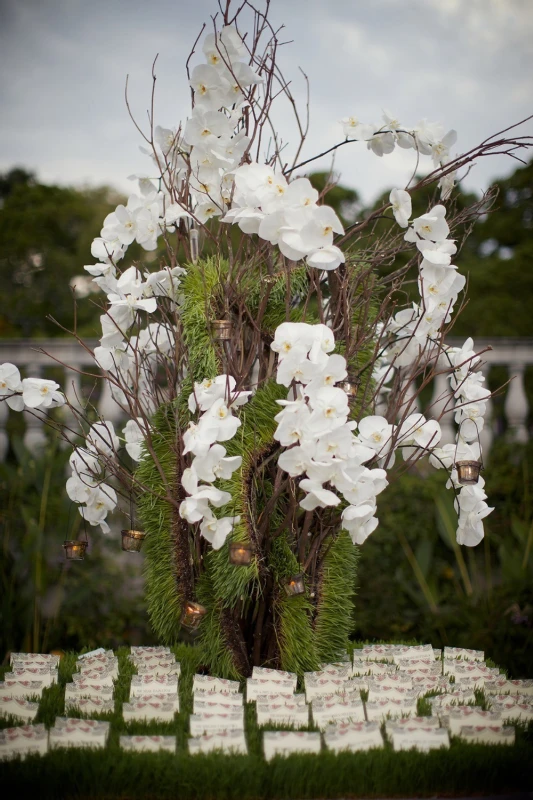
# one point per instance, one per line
(70, 732)
(158, 650)
(148, 744)
(152, 660)
(523, 712)
(158, 668)
(90, 705)
(18, 707)
(99, 664)
(215, 723)
(469, 669)
(257, 686)
(418, 651)
(437, 654)
(95, 654)
(318, 687)
(29, 672)
(411, 723)
(353, 737)
(467, 683)
(153, 684)
(432, 684)
(483, 734)
(424, 739)
(357, 684)
(285, 743)
(139, 710)
(211, 684)
(264, 673)
(22, 741)
(95, 677)
(35, 658)
(232, 699)
(456, 718)
(379, 692)
(464, 653)
(376, 710)
(283, 714)
(232, 742)
(342, 673)
(362, 667)
(503, 685)
(442, 702)
(378, 652)
(25, 689)
(279, 698)
(428, 671)
(74, 691)
(336, 711)
(210, 707)
(391, 681)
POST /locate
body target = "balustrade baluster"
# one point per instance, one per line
(441, 400)
(516, 405)
(34, 436)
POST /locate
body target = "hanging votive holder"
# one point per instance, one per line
(222, 330)
(351, 386)
(468, 472)
(75, 549)
(132, 541)
(241, 553)
(193, 613)
(295, 585)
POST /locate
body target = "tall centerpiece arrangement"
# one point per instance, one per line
(267, 369)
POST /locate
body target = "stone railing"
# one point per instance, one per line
(516, 355)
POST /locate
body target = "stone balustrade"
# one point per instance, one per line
(48, 359)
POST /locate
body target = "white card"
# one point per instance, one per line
(214, 707)
(353, 737)
(424, 651)
(232, 742)
(257, 686)
(46, 675)
(342, 673)
(391, 681)
(23, 740)
(411, 723)
(451, 700)
(232, 699)
(99, 663)
(423, 739)
(158, 668)
(95, 677)
(501, 686)
(434, 684)
(394, 692)
(153, 684)
(377, 710)
(482, 734)
(464, 653)
(18, 707)
(318, 687)
(284, 743)
(73, 691)
(334, 712)
(158, 650)
(211, 684)
(472, 669)
(68, 732)
(363, 667)
(215, 723)
(90, 705)
(26, 689)
(279, 698)
(93, 653)
(35, 658)
(457, 718)
(148, 744)
(283, 714)
(264, 673)
(138, 710)
(523, 712)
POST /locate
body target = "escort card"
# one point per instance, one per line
(73, 691)
(99, 664)
(232, 699)
(377, 652)
(23, 740)
(411, 723)
(95, 677)
(437, 654)
(394, 692)
(336, 711)
(466, 683)
(24, 689)
(482, 734)
(433, 684)
(358, 684)
(463, 669)
(414, 651)
(377, 710)
(35, 658)
(263, 673)
(424, 739)
(148, 744)
(318, 687)
(353, 737)
(457, 718)
(148, 660)
(153, 684)
(284, 743)
(501, 686)
(390, 681)
(227, 742)
(342, 673)
(158, 650)
(28, 672)
(90, 705)
(283, 714)
(210, 707)
(215, 723)
(420, 669)
(212, 684)
(522, 712)
(161, 710)
(18, 707)
(257, 686)
(279, 698)
(95, 653)
(362, 667)
(158, 668)
(451, 699)
(464, 653)
(69, 732)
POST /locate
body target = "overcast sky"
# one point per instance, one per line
(465, 63)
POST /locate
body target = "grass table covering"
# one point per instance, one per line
(112, 773)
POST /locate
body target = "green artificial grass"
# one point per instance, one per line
(111, 773)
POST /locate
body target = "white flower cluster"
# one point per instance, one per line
(28, 392)
(286, 214)
(439, 284)
(428, 138)
(215, 400)
(86, 485)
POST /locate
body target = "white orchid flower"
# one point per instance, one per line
(41, 393)
(216, 464)
(317, 496)
(401, 206)
(216, 530)
(11, 386)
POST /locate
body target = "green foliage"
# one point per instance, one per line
(113, 773)
(336, 601)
